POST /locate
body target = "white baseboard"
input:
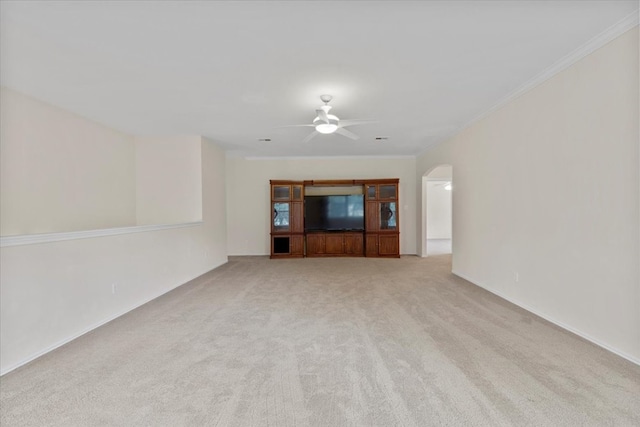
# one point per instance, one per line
(96, 325)
(241, 255)
(548, 318)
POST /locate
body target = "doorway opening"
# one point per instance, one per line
(437, 211)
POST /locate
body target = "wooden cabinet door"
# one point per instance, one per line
(389, 244)
(371, 216)
(371, 245)
(353, 244)
(315, 244)
(297, 245)
(297, 217)
(334, 243)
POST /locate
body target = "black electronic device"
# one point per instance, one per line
(334, 213)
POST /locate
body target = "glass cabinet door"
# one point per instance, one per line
(387, 192)
(281, 192)
(370, 190)
(297, 192)
(281, 217)
(388, 219)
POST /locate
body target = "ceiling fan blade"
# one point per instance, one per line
(344, 123)
(322, 115)
(310, 136)
(347, 133)
(293, 126)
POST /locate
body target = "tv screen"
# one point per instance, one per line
(329, 213)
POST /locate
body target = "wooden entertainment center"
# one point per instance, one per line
(379, 235)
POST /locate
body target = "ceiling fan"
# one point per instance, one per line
(326, 123)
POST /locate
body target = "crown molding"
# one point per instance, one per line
(616, 30)
(625, 24)
(31, 239)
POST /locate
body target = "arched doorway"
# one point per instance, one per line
(437, 211)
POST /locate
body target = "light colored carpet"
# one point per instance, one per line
(326, 342)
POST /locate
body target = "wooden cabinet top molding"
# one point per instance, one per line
(330, 182)
(377, 181)
(336, 182)
(284, 182)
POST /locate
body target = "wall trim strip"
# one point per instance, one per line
(32, 239)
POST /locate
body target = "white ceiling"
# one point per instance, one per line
(237, 71)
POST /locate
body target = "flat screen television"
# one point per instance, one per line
(334, 213)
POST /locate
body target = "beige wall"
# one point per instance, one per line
(168, 179)
(53, 292)
(248, 194)
(548, 187)
(60, 172)
(213, 236)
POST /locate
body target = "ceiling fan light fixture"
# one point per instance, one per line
(327, 124)
(324, 127)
